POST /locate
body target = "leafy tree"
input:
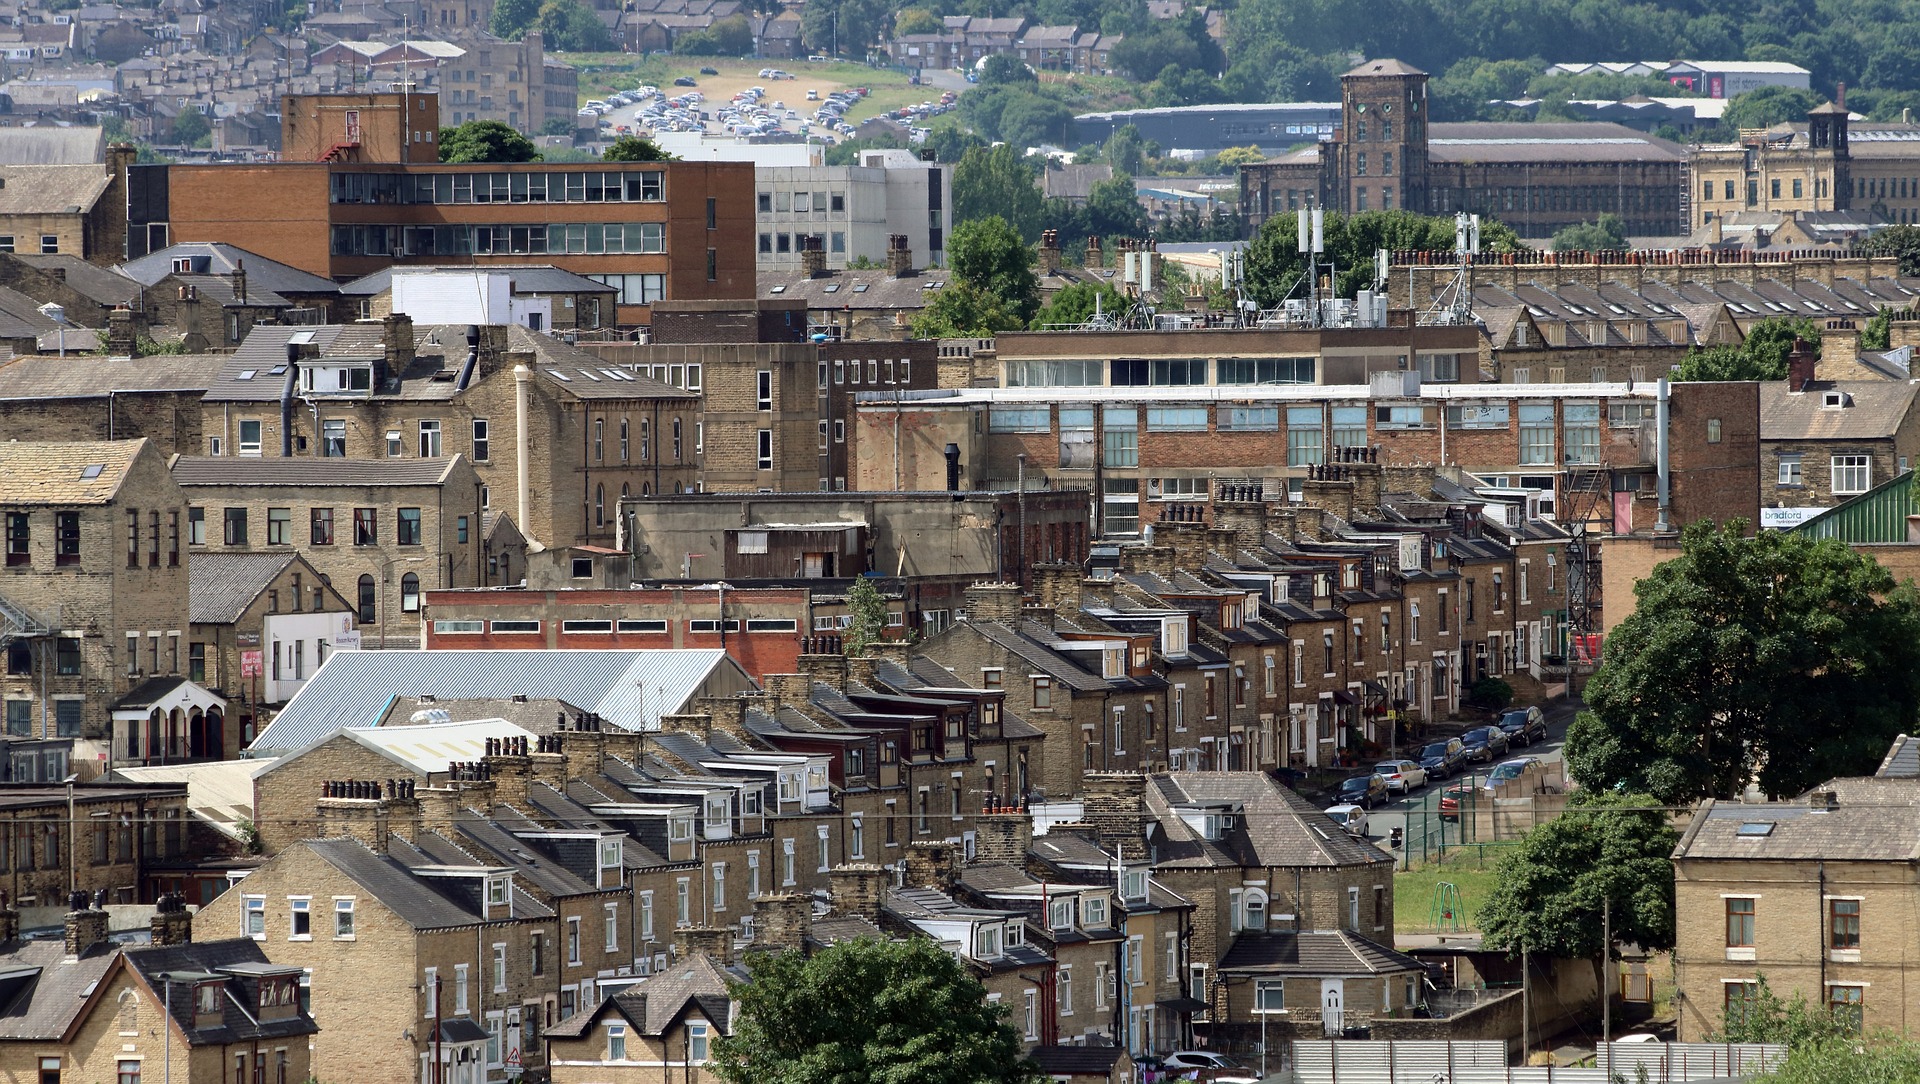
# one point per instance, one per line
(1112, 210)
(1763, 356)
(631, 148)
(1769, 106)
(1878, 334)
(1767, 1018)
(190, 127)
(869, 611)
(511, 18)
(486, 141)
(1777, 658)
(1606, 852)
(987, 255)
(997, 181)
(961, 311)
(731, 36)
(1901, 241)
(869, 1012)
(1490, 694)
(1234, 157)
(1884, 1060)
(571, 26)
(1274, 265)
(917, 21)
(1609, 234)
(845, 27)
(1176, 86)
(1032, 119)
(557, 126)
(1075, 304)
(1002, 69)
(1125, 151)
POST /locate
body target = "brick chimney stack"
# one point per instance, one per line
(86, 925)
(899, 256)
(1801, 365)
(172, 923)
(1049, 252)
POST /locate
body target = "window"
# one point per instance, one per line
(19, 538)
(1845, 1003)
(460, 989)
(366, 526)
(1583, 432)
(1305, 437)
(765, 447)
(410, 593)
(1739, 999)
(129, 1072)
(254, 918)
(482, 444)
(343, 920)
(1042, 693)
(1739, 922)
(300, 918)
(697, 1040)
(236, 526)
(1269, 995)
(1790, 469)
(613, 927)
(764, 386)
(1852, 474)
(249, 437)
(366, 600)
(1063, 990)
(573, 939)
(1843, 924)
(616, 1042)
(279, 526)
(1536, 434)
(1713, 430)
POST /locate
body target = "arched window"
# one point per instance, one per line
(646, 489)
(367, 596)
(600, 506)
(1256, 907)
(623, 440)
(625, 491)
(599, 447)
(410, 593)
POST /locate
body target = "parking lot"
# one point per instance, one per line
(769, 103)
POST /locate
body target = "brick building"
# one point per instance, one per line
(653, 231)
(127, 834)
(1823, 441)
(156, 398)
(1536, 178)
(377, 530)
(77, 210)
(261, 624)
(93, 611)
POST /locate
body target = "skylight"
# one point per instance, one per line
(91, 470)
(247, 374)
(1756, 828)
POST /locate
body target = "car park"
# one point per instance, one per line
(1366, 790)
(1443, 759)
(1524, 726)
(1401, 775)
(1484, 743)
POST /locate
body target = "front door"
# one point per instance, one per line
(1333, 994)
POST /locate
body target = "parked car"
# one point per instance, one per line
(1509, 769)
(1215, 1068)
(1401, 775)
(1444, 759)
(685, 81)
(1484, 743)
(709, 71)
(1365, 790)
(1451, 798)
(1524, 726)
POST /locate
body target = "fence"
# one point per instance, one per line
(1481, 817)
(1441, 1062)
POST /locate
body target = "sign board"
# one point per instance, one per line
(347, 641)
(1783, 518)
(250, 663)
(247, 639)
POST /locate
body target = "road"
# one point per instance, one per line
(1384, 819)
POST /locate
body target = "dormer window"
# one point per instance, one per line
(1016, 934)
(1093, 911)
(986, 941)
(1133, 884)
(1834, 400)
(610, 853)
(497, 894)
(789, 786)
(680, 829)
(1060, 915)
(206, 998)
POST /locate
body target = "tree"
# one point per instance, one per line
(1607, 852)
(987, 255)
(486, 141)
(1125, 151)
(1113, 210)
(869, 1012)
(844, 27)
(1768, 106)
(1234, 157)
(1878, 334)
(572, 27)
(631, 148)
(1883, 1060)
(1900, 241)
(916, 21)
(997, 181)
(1002, 69)
(1609, 234)
(190, 127)
(731, 36)
(1775, 658)
(1073, 305)
(1765, 1017)
(961, 311)
(869, 612)
(1274, 265)
(1032, 119)
(511, 18)
(1763, 356)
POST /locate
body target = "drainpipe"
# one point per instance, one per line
(523, 450)
(1663, 413)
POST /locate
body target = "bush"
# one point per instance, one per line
(1490, 694)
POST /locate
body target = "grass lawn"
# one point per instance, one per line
(1414, 891)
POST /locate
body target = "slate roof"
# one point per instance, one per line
(412, 898)
(1275, 826)
(278, 471)
(41, 991)
(237, 1024)
(1474, 142)
(98, 283)
(1805, 831)
(1328, 952)
(1875, 409)
(867, 289)
(220, 586)
(50, 190)
(222, 259)
(50, 146)
(630, 689)
(653, 1004)
(33, 473)
(1902, 760)
(1387, 66)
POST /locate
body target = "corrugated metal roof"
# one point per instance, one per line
(630, 689)
(1878, 515)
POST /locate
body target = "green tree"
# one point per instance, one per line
(1775, 658)
(511, 18)
(1234, 157)
(486, 141)
(1073, 305)
(988, 255)
(1002, 69)
(731, 36)
(1768, 1018)
(869, 610)
(844, 27)
(1880, 1060)
(869, 1012)
(1609, 234)
(557, 126)
(1606, 852)
(1032, 119)
(997, 181)
(632, 148)
(1274, 266)
(190, 127)
(1763, 356)
(572, 27)
(1113, 210)
(960, 311)
(917, 21)
(1768, 106)
(1901, 241)
(1125, 151)
(1878, 334)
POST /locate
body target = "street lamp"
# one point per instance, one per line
(57, 312)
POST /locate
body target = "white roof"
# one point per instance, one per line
(219, 792)
(428, 748)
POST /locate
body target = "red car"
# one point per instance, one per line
(1450, 800)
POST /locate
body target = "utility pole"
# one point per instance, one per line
(1606, 965)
